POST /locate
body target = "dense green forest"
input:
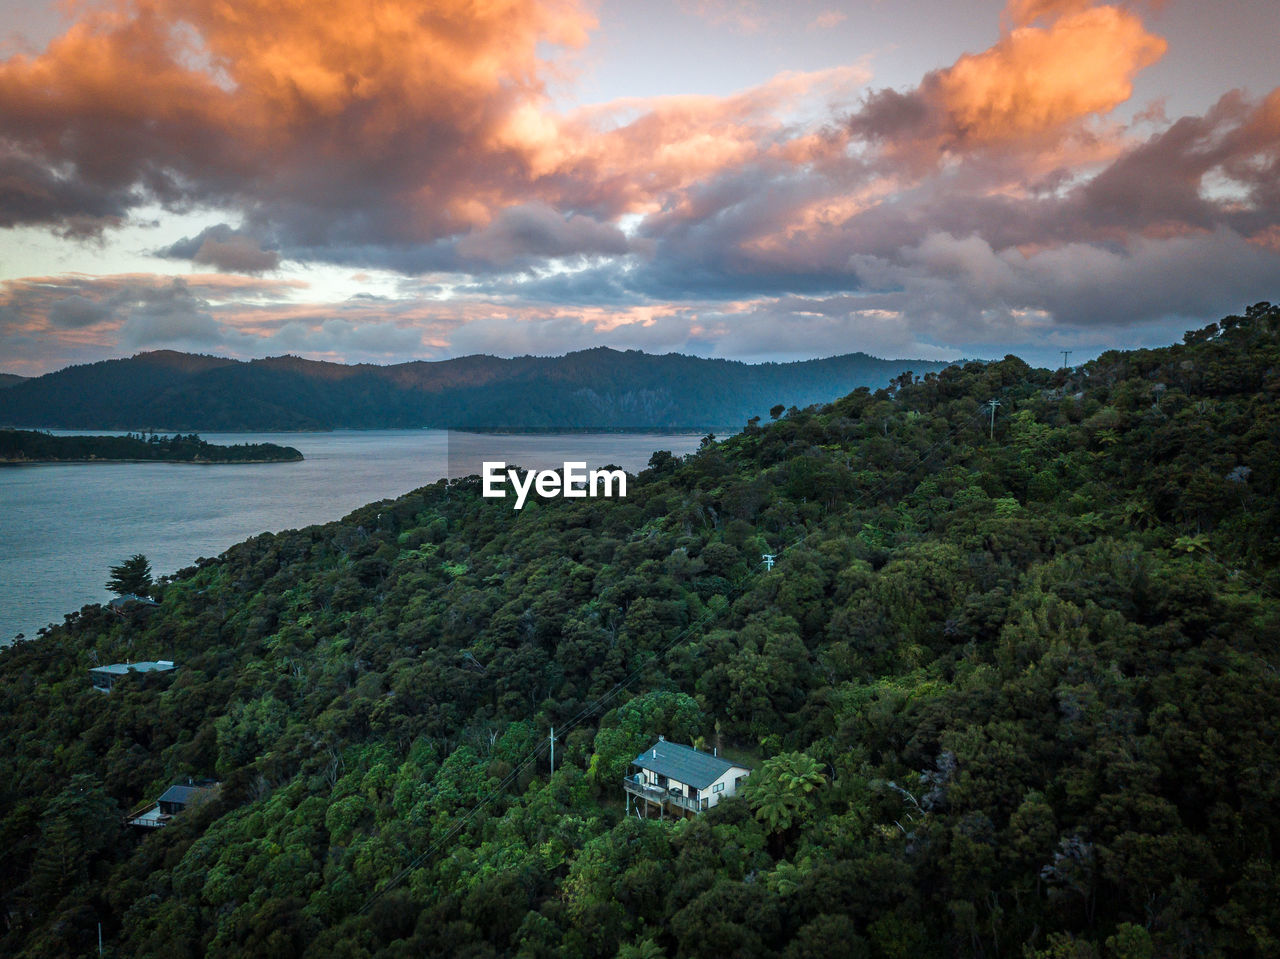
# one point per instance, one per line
(590, 389)
(1011, 689)
(32, 446)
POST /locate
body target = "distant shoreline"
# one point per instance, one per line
(520, 430)
(192, 462)
(147, 430)
(483, 430)
(23, 447)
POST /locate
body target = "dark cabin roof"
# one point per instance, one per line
(684, 764)
(183, 793)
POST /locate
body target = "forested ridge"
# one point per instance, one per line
(31, 446)
(598, 388)
(1003, 695)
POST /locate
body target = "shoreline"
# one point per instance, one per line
(192, 462)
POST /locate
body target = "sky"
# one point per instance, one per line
(386, 180)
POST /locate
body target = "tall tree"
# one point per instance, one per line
(131, 576)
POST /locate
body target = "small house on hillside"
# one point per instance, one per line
(130, 602)
(681, 780)
(104, 677)
(173, 801)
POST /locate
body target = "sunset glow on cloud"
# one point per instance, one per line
(392, 180)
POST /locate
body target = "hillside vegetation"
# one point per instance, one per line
(1010, 695)
(599, 388)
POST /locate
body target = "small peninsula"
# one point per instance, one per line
(33, 446)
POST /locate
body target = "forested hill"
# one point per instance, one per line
(1003, 695)
(10, 379)
(599, 388)
(31, 446)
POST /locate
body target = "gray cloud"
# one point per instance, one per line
(789, 327)
(347, 338)
(32, 190)
(123, 312)
(225, 249)
(962, 291)
(535, 231)
(76, 312)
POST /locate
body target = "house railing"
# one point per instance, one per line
(149, 817)
(673, 796)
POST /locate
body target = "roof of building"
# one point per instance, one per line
(146, 666)
(684, 764)
(184, 793)
(125, 599)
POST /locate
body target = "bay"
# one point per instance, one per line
(63, 524)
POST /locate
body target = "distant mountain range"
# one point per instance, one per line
(591, 389)
(11, 379)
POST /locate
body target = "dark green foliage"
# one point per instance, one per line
(781, 793)
(1002, 697)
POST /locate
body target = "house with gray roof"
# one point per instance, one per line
(173, 801)
(680, 780)
(104, 677)
(121, 604)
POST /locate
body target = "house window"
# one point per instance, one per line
(718, 788)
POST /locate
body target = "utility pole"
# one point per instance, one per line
(991, 405)
(1065, 354)
(768, 559)
(553, 750)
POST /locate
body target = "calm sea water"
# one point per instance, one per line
(63, 525)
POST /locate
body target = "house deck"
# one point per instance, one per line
(672, 798)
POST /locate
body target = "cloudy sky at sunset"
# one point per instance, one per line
(381, 180)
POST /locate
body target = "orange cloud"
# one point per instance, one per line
(354, 130)
(996, 131)
(1037, 79)
(640, 155)
(1024, 12)
(288, 107)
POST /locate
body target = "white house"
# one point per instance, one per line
(680, 779)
